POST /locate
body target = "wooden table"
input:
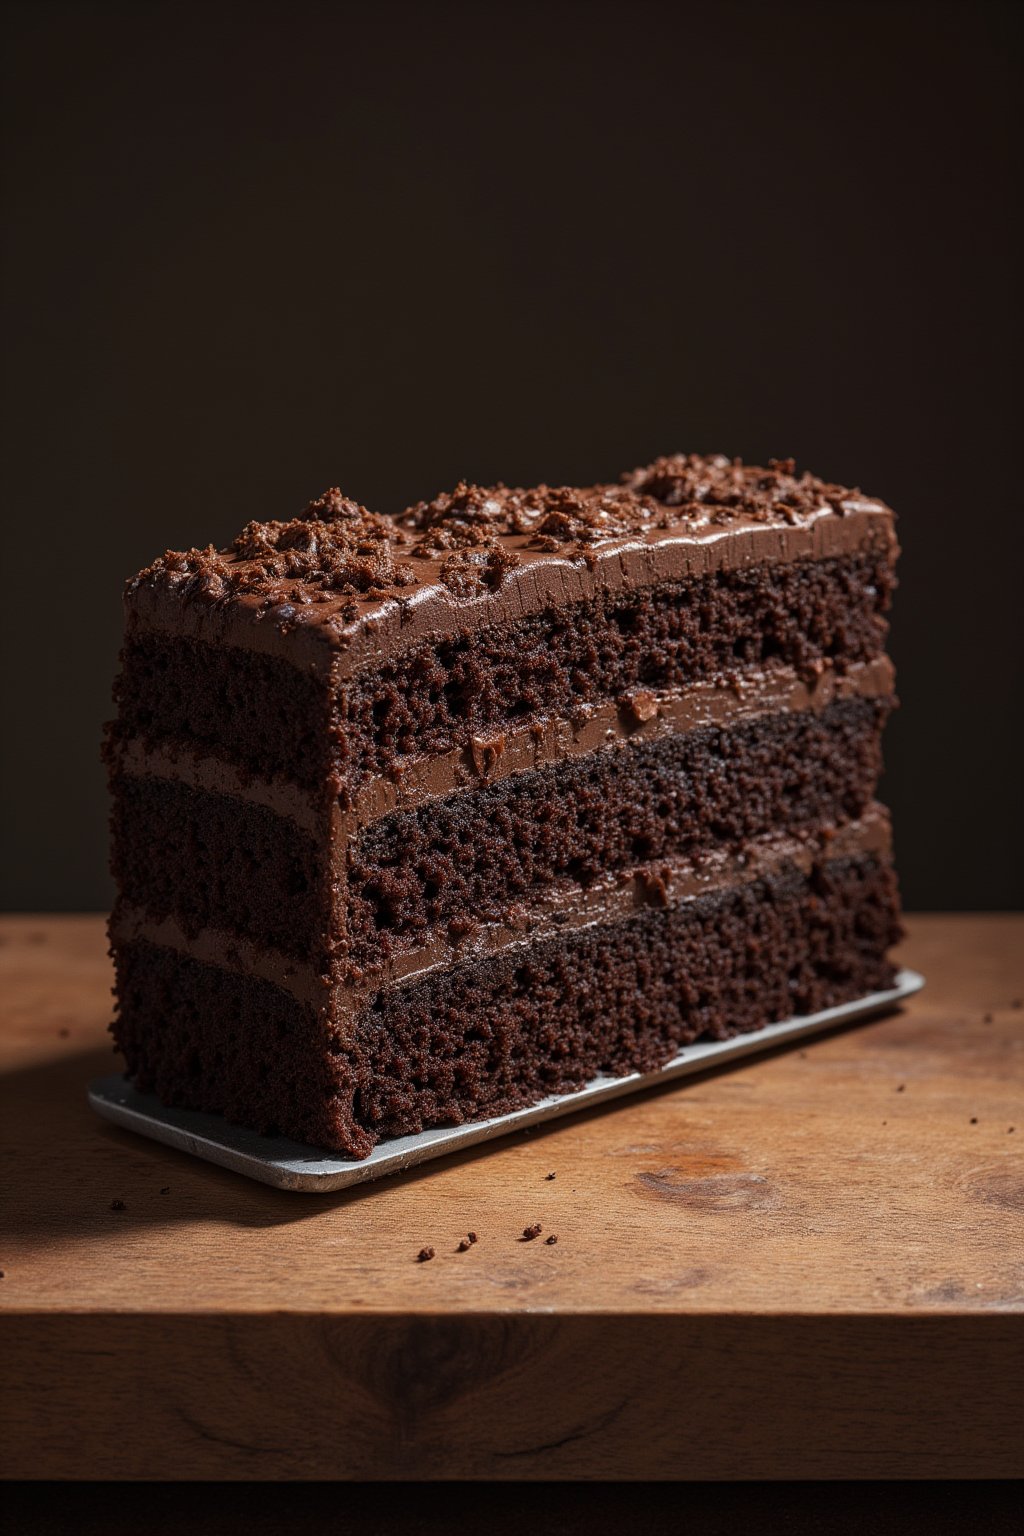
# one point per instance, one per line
(810, 1265)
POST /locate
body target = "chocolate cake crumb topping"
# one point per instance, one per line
(337, 549)
(463, 516)
(729, 488)
(473, 515)
(641, 705)
(529, 1233)
(424, 1254)
(334, 548)
(585, 516)
(468, 572)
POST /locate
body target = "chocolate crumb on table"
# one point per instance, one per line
(549, 1176)
(424, 1254)
(166, 1189)
(530, 1232)
(974, 1119)
(550, 1240)
(464, 1246)
(118, 1205)
(901, 1088)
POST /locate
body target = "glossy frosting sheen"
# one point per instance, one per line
(340, 587)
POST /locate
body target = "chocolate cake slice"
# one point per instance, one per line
(418, 819)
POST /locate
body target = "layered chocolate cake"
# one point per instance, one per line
(419, 819)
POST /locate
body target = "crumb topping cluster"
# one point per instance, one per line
(550, 515)
(337, 549)
(465, 525)
(718, 489)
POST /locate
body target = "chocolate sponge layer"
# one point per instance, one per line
(489, 1036)
(272, 718)
(437, 697)
(213, 860)
(467, 857)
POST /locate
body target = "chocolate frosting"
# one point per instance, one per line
(339, 586)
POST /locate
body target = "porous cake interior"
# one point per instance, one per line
(542, 839)
(438, 694)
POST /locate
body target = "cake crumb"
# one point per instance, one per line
(166, 1189)
(987, 1019)
(1016, 1002)
(464, 1245)
(974, 1119)
(1010, 1130)
(424, 1254)
(63, 1033)
(530, 1232)
(471, 1236)
(118, 1205)
(902, 1088)
(549, 1176)
(549, 1240)
(642, 705)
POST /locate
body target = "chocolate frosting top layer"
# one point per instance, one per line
(342, 579)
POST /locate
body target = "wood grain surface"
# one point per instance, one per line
(807, 1265)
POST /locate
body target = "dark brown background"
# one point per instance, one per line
(254, 250)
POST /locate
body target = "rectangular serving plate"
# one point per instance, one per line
(312, 1170)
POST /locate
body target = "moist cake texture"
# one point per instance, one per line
(420, 818)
